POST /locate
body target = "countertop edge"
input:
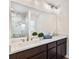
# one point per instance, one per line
(43, 42)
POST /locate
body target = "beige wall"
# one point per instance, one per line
(63, 18)
(47, 23)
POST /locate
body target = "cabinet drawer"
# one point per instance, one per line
(61, 41)
(39, 56)
(28, 53)
(51, 45)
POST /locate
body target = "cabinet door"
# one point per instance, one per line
(31, 52)
(39, 56)
(52, 53)
(61, 48)
(61, 51)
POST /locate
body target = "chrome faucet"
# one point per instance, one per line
(23, 40)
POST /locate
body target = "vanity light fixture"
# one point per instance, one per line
(52, 6)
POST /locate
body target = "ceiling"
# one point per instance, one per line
(48, 1)
(22, 9)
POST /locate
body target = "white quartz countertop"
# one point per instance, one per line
(18, 47)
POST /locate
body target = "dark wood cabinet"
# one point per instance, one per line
(61, 49)
(53, 57)
(32, 52)
(51, 45)
(53, 50)
(39, 56)
(52, 53)
(12, 56)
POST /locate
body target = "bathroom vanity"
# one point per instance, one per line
(24, 21)
(54, 48)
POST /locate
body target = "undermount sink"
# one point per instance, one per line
(21, 45)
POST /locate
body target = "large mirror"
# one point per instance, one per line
(25, 20)
(44, 22)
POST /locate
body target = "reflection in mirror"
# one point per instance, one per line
(46, 23)
(18, 21)
(33, 20)
(43, 22)
(25, 20)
